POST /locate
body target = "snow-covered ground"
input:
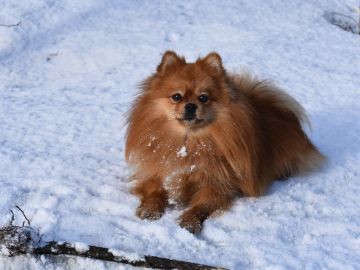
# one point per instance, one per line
(68, 74)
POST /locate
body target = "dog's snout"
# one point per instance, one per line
(190, 108)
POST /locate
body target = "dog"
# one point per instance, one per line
(200, 137)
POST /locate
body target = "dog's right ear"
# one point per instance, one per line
(169, 60)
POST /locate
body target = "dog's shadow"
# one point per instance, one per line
(336, 133)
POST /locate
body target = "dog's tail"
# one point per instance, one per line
(252, 87)
(305, 157)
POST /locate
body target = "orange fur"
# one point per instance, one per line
(247, 135)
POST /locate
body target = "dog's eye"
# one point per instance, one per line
(176, 97)
(203, 98)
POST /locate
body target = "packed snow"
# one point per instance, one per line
(81, 247)
(69, 73)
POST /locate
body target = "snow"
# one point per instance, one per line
(4, 250)
(182, 152)
(68, 75)
(81, 247)
(129, 256)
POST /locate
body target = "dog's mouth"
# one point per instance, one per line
(190, 121)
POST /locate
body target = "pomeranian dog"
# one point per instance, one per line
(200, 137)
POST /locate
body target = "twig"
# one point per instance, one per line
(11, 25)
(348, 27)
(39, 236)
(12, 218)
(347, 16)
(55, 248)
(28, 221)
(358, 11)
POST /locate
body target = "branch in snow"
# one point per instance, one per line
(346, 22)
(106, 254)
(19, 240)
(16, 240)
(28, 221)
(12, 218)
(11, 25)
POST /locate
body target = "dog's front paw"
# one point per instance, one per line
(190, 222)
(150, 210)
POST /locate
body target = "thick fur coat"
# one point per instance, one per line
(237, 136)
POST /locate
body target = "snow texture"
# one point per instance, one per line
(69, 73)
(81, 247)
(129, 256)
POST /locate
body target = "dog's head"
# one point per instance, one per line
(191, 95)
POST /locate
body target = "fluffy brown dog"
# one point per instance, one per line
(201, 136)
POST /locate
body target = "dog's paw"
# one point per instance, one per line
(190, 222)
(149, 211)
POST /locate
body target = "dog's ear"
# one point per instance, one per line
(169, 60)
(214, 61)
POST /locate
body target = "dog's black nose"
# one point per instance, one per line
(190, 107)
(190, 110)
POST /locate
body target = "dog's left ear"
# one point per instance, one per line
(169, 60)
(214, 61)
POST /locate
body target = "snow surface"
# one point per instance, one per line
(70, 71)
